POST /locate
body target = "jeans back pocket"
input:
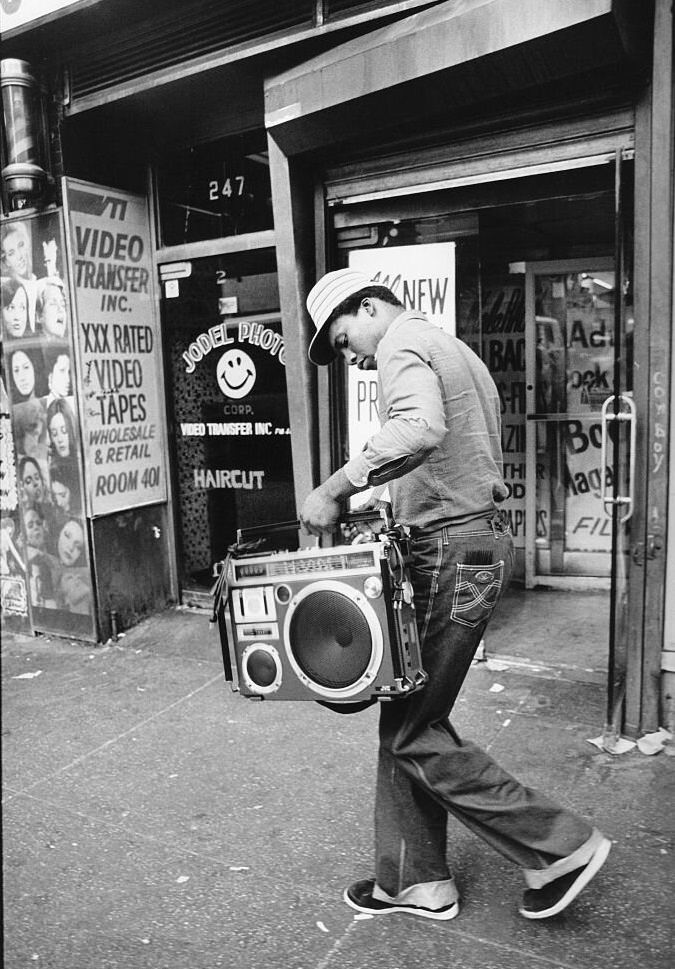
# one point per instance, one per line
(477, 589)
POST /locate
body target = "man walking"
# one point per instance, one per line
(439, 449)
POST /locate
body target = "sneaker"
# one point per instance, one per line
(360, 896)
(542, 903)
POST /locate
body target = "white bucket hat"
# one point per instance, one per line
(323, 298)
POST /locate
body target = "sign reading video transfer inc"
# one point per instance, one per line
(119, 348)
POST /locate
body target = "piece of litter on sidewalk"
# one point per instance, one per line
(497, 665)
(239, 868)
(27, 676)
(145, 941)
(621, 746)
(506, 722)
(362, 916)
(496, 688)
(182, 879)
(322, 926)
(653, 743)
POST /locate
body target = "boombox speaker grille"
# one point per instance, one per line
(330, 639)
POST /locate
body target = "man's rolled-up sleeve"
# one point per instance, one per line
(414, 422)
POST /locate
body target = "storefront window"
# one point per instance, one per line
(214, 190)
(231, 436)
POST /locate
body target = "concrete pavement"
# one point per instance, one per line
(155, 820)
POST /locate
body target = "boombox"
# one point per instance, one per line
(335, 625)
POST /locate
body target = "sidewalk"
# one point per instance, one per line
(155, 820)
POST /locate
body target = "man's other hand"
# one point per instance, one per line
(320, 513)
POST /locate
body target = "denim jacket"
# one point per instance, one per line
(440, 437)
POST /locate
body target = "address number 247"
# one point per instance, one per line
(230, 186)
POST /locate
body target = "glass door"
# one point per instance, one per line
(229, 430)
(569, 307)
(581, 431)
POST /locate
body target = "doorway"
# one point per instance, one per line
(534, 263)
(229, 429)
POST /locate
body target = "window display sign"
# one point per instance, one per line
(119, 348)
(574, 360)
(503, 352)
(234, 445)
(423, 278)
(230, 435)
(45, 543)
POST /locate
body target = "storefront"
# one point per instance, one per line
(505, 166)
(527, 232)
(84, 515)
(142, 128)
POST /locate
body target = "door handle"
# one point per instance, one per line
(628, 416)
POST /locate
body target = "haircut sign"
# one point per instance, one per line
(119, 348)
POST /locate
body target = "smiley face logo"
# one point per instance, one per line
(235, 373)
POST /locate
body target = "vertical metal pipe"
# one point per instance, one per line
(616, 677)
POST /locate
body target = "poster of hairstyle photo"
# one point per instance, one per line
(32, 257)
(13, 589)
(50, 525)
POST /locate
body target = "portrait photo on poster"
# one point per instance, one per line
(57, 369)
(29, 423)
(13, 591)
(14, 301)
(26, 378)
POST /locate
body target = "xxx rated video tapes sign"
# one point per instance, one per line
(119, 348)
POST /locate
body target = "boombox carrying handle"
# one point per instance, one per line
(348, 518)
(260, 531)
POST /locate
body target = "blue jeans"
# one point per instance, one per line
(425, 770)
